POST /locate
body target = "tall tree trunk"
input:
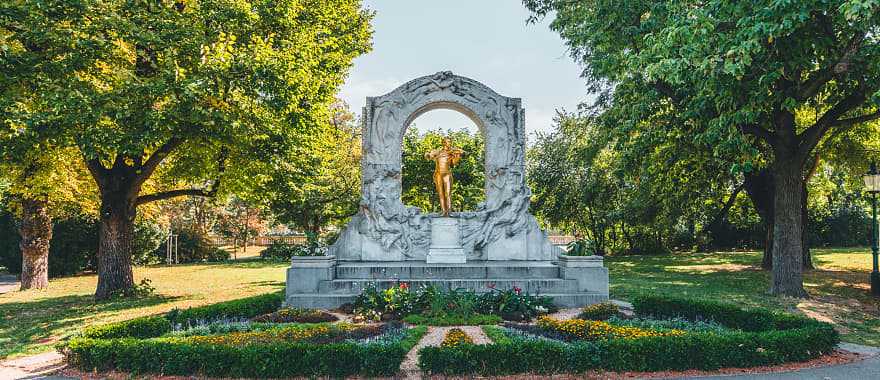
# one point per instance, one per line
(118, 212)
(36, 233)
(761, 190)
(788, 226)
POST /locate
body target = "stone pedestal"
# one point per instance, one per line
(445, 242)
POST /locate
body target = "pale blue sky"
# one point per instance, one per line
(486, 40)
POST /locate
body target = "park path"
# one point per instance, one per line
(8, 283)
(410, 366)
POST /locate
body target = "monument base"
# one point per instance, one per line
(445, 242)
(446, 256)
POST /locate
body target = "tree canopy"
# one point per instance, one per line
(733, 76)
(217, 86)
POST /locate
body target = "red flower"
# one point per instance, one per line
(404, 286)
(491, 286)
(517, 290)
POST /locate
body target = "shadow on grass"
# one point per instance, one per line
(26, 325)
(267, 283)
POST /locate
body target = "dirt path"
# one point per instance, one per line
(8, 283)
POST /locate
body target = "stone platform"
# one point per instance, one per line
(323, 282)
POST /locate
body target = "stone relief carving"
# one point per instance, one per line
(386, 229)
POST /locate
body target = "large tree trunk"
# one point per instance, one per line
(36, 233)
(788, 227)
(117, 229)
(761, 190)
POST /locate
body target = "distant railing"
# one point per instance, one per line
(560, 239)
(268, 240)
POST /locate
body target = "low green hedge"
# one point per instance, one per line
(174, 356)
(143, 327)
(762, 338)
(241, 308)
(154, 326)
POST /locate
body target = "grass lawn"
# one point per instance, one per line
(839, 287)
(33, 321)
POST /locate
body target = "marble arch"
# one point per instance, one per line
(501, 228)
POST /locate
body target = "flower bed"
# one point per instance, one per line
(434, 304)
(232, 346)
(455, 338)
(748, 338)
(296, 315)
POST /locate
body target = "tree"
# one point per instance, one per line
(468, 176)
(211, 87)
(737, 74)
(320, 185)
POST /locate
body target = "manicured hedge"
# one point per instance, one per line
(155, 326)
(764, 338)
(241, 308)
(175, 356)
(144, 327)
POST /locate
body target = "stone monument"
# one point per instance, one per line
(497, 243)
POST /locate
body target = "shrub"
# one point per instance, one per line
(242, 308)
(195, 247)
(144, 327)
(176, 356)
(581, 247)
(456, 337)
(296, 315)
(599, 312)
(769, 338)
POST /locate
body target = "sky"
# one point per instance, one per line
(485, 40)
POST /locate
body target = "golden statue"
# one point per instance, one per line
(444, 159)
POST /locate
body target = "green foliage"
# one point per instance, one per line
(173, 356)
(599, 312)
(788, 338)
(729, 315)
(320, 185)
(194, 247)
(435, 304)
(141, 328)
(453, 320)
(279, 250)
(580, 247)
(242, 308)
(297, 315)
(418, 173)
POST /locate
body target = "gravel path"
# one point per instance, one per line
(8, 283)
(410, 366)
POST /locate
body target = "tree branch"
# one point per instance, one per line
(856, 120)
(810, 138)
(759, 132)
(147, 169)
(97, 169)
(811, 86)
(175, 193)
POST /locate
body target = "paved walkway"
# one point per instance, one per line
(8, 283)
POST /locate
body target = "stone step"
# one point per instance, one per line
(482, 285)
(471, 270)
(332, 301)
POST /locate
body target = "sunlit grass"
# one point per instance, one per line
(33, 320)
(839, 287)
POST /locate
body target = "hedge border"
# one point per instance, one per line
(136, 346)
(176, 356)
(766, 338)
(158, 325)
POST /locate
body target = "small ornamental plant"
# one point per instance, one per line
(580, 329)
(599, 312)
(455, 338)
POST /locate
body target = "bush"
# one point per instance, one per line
(176, 356)
(295, 315)
(767, 338)
(242, 308)
(279, 250)
(144, 327)
(599, 312)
